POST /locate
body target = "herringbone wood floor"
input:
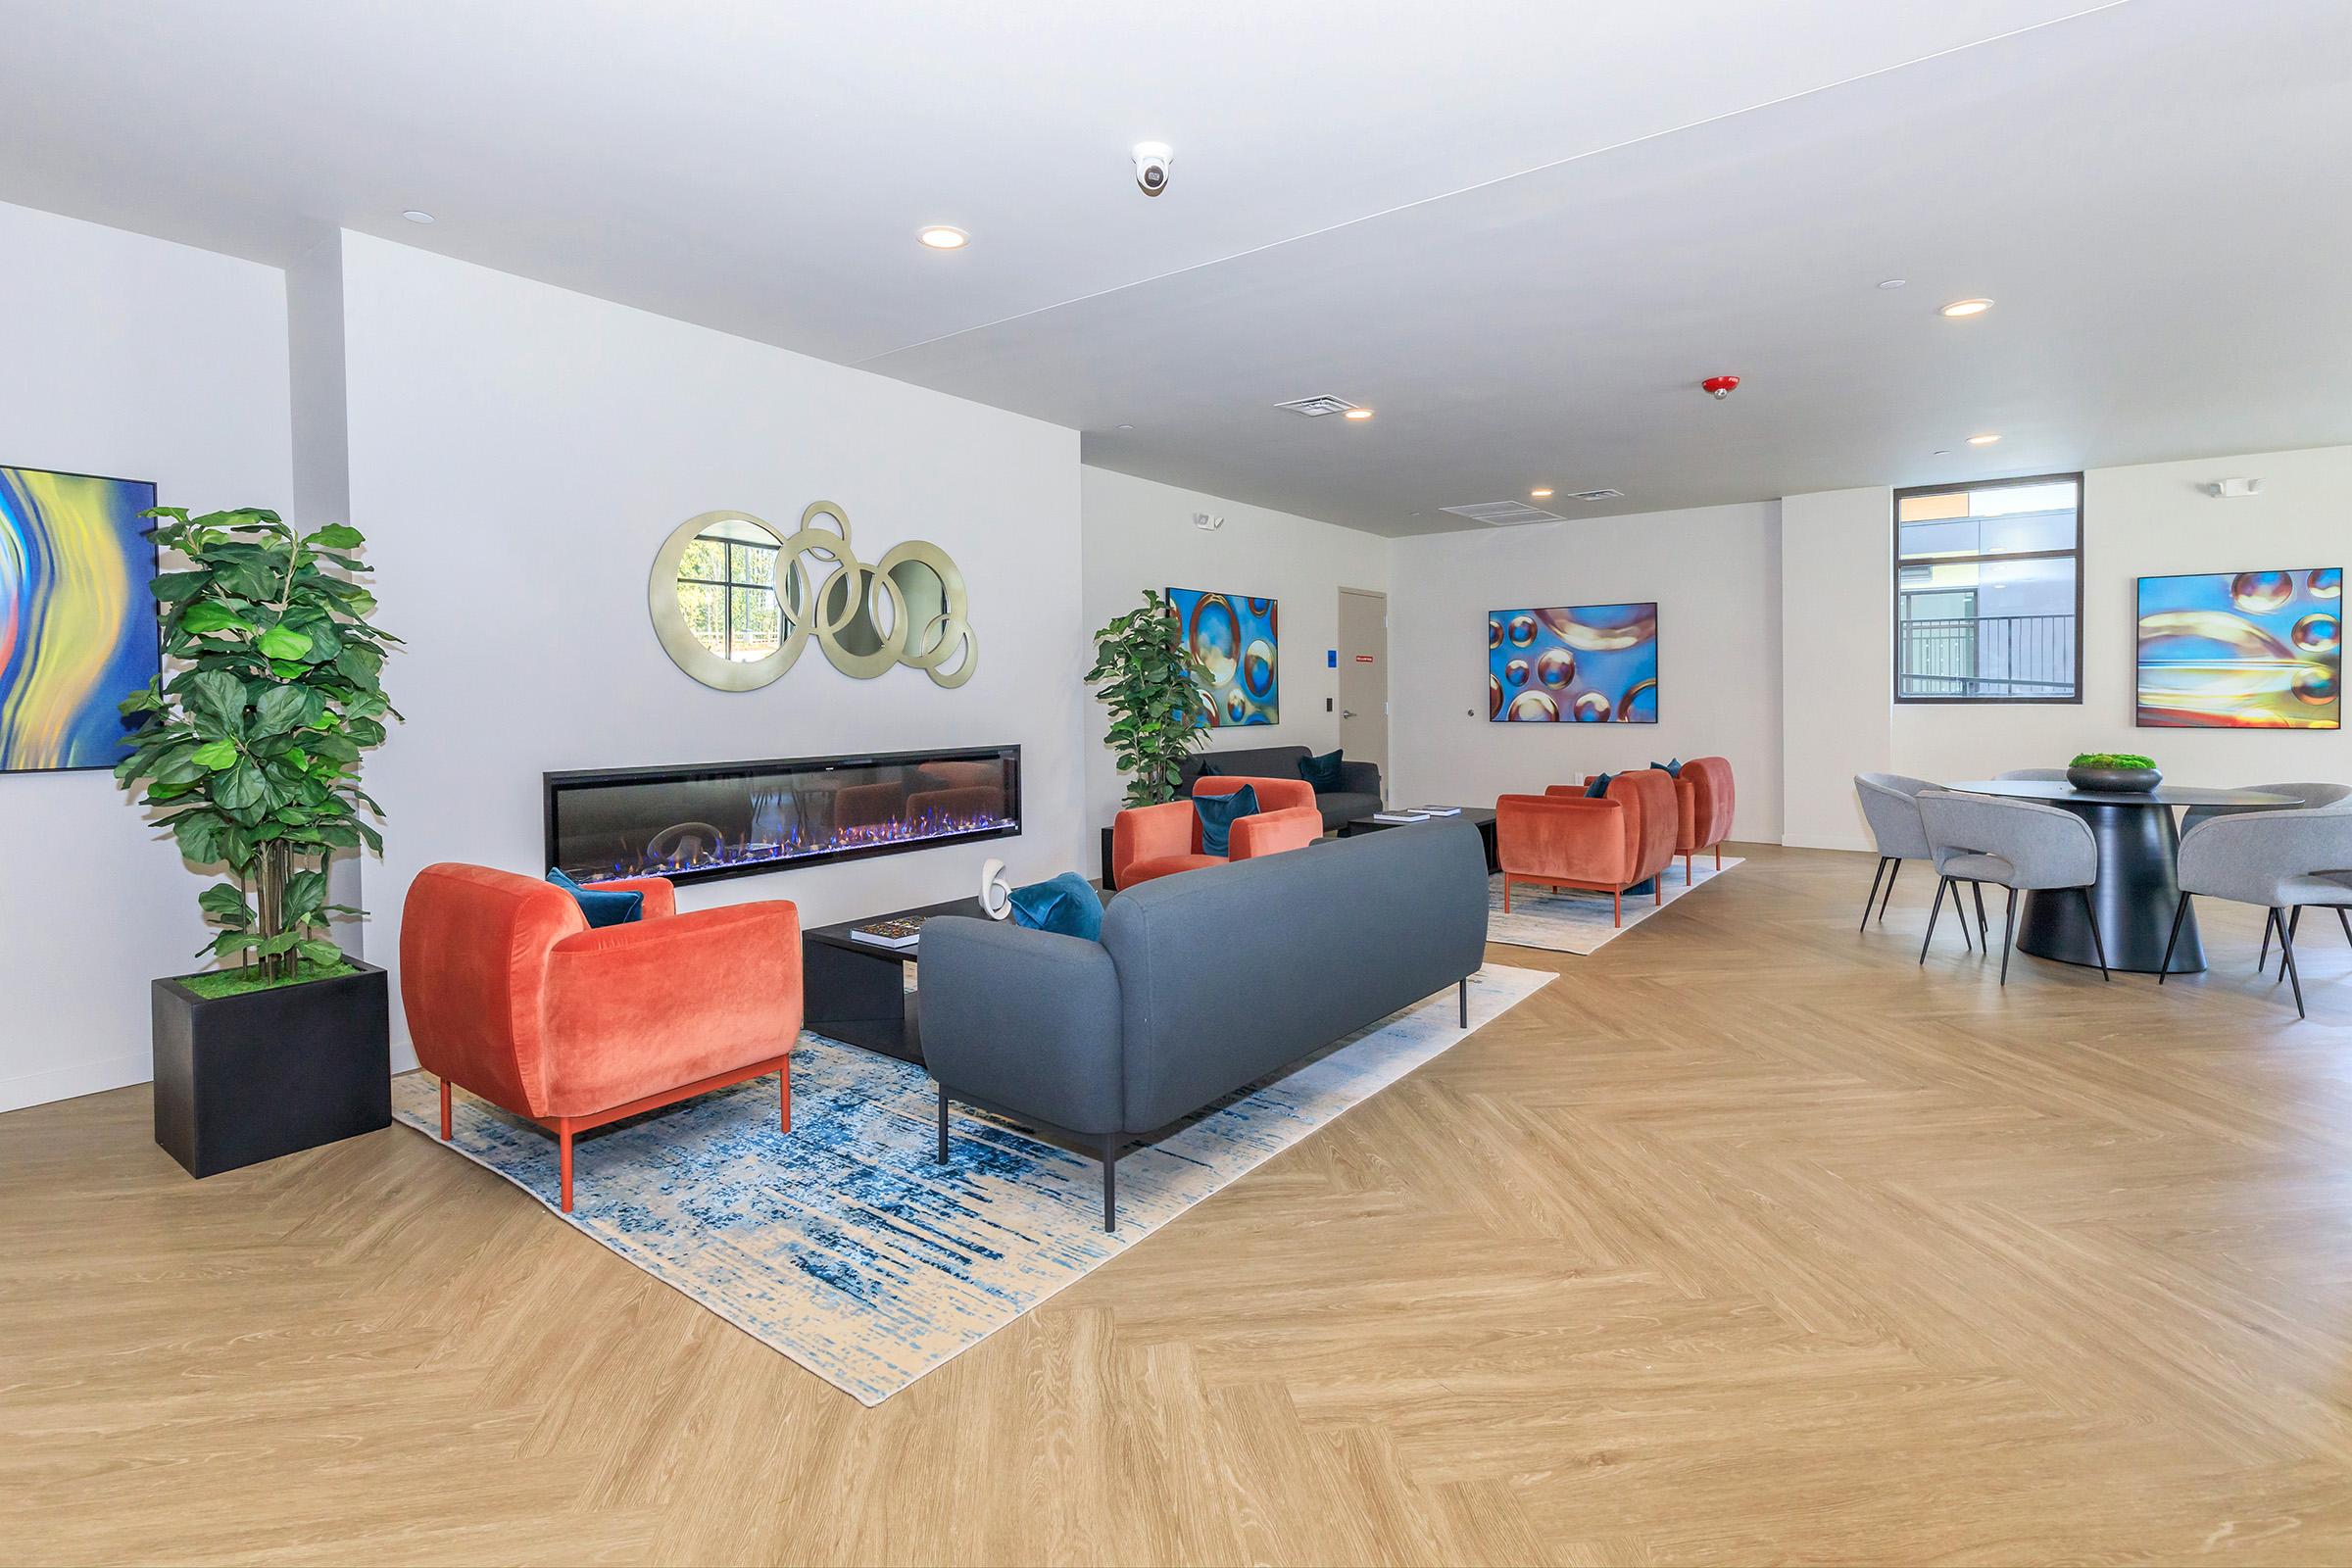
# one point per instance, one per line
(1746, 1239)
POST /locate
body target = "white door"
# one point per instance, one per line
(1363, 693)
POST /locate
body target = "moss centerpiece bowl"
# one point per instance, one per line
(2114, 773)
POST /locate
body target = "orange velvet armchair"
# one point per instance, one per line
(511, 996)
(1154, 841)
(1564, 839)
(1703, 800)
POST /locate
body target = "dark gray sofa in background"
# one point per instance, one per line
(1359, 781)
(1204, 982)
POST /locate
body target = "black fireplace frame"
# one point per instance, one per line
(551, 784)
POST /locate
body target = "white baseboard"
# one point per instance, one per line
(74, 1079)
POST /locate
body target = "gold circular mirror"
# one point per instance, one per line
(729, 606)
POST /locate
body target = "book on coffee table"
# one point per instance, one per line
(904, 932)
(1399, 816)
(1438, 811)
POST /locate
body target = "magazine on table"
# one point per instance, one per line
(901, 933)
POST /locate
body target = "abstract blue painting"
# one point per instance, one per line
(1583, 665)
(1239, 640)
(2242, 650)
(77, 623)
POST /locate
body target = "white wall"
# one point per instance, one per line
(2138, 521)
(147, 361)
(1837, 661)
(1715, 574)
(1139, 534)
(518, 453)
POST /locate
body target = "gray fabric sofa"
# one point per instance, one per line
(1359, 782)
(1203, 983)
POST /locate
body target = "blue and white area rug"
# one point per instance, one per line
(844, 1246)
(1571, 920)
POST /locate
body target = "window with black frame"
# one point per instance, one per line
(1988, 591)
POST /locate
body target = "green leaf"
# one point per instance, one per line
(282, 708)
(173, 586)
(209, 615)
(216, 702)
(197, 835)
(337, 536)
(241, 789)
(324, 953)
(281, 641)
(305, 891)
(226, 902)
(214, 754)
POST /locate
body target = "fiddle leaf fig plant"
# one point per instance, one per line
(1158, 694)
(252, 744)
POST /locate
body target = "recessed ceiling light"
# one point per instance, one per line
(414, 216)
(1982, 440)
(1960, 308)
(942, 238)
(1538, 494)
(1940, 452)
(1894, 282)
(1359, 413)
(1126, 426)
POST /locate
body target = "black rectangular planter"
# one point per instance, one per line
(247, 1078)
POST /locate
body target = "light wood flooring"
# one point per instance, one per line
(1746, 1239)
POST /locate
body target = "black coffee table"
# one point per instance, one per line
(1481, 817)
(856, 993)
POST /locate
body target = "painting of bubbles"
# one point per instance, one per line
(1239, 640)
(2242, 650)
(1581, 664)
(77, 625)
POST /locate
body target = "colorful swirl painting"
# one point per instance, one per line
(1582, 665)
(77, 624)
(1240, 640)
(2242, 650)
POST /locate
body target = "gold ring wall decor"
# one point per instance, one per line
(734, 602)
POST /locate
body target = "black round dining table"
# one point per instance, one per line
(2138, 887)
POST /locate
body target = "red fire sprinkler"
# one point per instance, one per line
(1720, 386)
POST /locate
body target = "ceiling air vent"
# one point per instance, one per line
(1505, 514)
(1316, 408)
(1596, 495)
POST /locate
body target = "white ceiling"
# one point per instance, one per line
(1521, 232)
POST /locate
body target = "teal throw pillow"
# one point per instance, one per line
(1065, 904)
(1323, 772)
(602, 909)
(1218, 813)
(1599, 789)
(1673, 769)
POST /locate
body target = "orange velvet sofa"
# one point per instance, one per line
(1564, 839)
(1154, 841)
(511, 997)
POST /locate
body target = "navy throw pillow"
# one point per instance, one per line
(1065, 904)
(1208, 769)
(602, 908)
(1673, 769)
(1323, 772)
(1218, 813)
(1599, 789)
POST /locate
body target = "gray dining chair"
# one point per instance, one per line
(2019, 845)
(1891, 805)
(2034, 775)
(2289, 859)
(2311, 795)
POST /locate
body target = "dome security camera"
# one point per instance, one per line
(1153, 159)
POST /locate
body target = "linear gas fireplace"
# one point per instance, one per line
(694, 823)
